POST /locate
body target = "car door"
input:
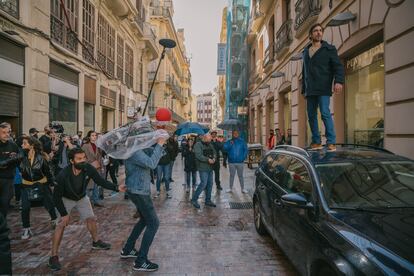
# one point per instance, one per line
(276, 173)
(295, 227)
(262, 187)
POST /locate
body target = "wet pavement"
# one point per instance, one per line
(209, 241)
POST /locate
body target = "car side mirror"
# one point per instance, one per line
(296, 200)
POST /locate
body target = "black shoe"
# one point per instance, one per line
(100, 245)
(54, 264)
(132, 254)
(211, 204)
(195, 204)
(146, 266)
(219, 188)
(97, 204)
(171, 180)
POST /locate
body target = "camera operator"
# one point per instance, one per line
(61, 159)
(205, 158)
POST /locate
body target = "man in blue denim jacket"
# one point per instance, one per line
(138, 181)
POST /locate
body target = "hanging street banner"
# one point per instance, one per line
(221, 59)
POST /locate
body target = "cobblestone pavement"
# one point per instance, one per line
(210, 241)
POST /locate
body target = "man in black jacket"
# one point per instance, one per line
(10, 156)
(69, 193)
(218, 146)
(321, 68)
(5, 253)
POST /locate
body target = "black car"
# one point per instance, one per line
(348, 212)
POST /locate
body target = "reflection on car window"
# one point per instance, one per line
(297, 179)
(368, 183)
(277, 168)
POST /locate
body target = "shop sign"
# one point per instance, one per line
(366, 58)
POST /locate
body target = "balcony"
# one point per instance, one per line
(150, 39)
(269, 57)
(283, 38)
(151, 75)
(177, 118)
(307, 12)
(160, 11)
(10, 7)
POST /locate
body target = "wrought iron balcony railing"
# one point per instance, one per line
(284, 37)
(269, 55)
(306, 9)
(10, 7)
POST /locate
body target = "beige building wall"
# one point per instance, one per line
(377, 21)
(173, 84)
(32, 29)
(222, 79)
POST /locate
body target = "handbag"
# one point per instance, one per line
(34, 193)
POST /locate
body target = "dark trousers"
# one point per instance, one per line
(6, 194)
(111, 169)
(26, 204)
(17, 191)
(5, 252)
(149, 220)
(216, 169)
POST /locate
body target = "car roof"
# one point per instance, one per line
(345, 153)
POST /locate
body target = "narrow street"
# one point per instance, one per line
(210, 241)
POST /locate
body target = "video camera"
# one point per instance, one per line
(57, 127)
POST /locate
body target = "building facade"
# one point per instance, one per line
(222, 78)
(205, 109)
(376, 105)
(172, 87)
(81, 64)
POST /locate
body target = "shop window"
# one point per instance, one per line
(64, 111)
(364, 103)
(89, 119)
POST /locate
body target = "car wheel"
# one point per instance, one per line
(326, 271)
(258, 223)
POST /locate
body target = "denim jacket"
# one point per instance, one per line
(138, 169)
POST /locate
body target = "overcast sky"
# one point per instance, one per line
(201, 20)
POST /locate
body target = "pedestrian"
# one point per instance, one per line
(280, 137)
(138, 180)
(205, 158)
(271, 142)
(60, 157)
(10, 156)
(36, 180)
(190, 167)
(70, 193)
(163, 169)
(321, 67)
(111, 169)
(174, 152)
(289, 137)
(33, 132)
(94, 157)
(46, 140)
(80, 138)
(5, 252)
(236, 149)
(218, 146)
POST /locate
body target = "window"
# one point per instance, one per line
(297, 179)
(106, 46)
(120, 58)
(129, 66)
(60, 28)
(88, 30)
(89, 114)
(275, 167)
(10, 7)
(63, 110)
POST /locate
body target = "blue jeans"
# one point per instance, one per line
(171, 169)
(188, 176)
(163, 172)
(312, 107)
(93, 193)
(149, 220)
(206, 178)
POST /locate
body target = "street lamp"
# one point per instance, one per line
(341, 19)
(166, 44)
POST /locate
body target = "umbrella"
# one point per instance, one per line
(191, 127)
(231, 124)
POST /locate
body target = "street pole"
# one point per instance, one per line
(166, 43)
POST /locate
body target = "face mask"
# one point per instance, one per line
(80, 166)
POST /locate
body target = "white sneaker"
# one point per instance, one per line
(229, 191)
(27, 234)
(157, 195)
(244, 191)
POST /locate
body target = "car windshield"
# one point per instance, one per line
(360, 184)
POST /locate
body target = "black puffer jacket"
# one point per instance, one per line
(5, 253)
(36, 171)
(189, 159)
(10, 156)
